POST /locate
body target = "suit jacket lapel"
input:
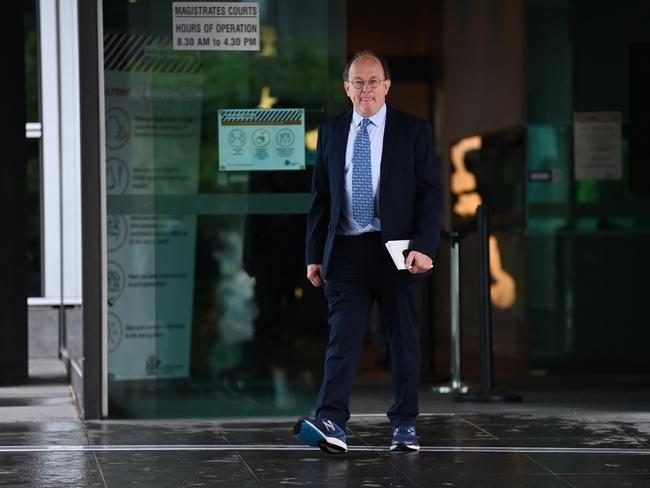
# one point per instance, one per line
(337, 166)
(390, 138)
(342, 133)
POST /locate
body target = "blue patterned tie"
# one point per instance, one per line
(363, 210)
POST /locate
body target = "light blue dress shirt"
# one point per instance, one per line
(347, 225)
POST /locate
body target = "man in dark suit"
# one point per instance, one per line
(375, 180)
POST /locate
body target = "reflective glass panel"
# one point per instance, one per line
(210, 139)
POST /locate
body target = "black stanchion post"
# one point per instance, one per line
(485, 393)
(482, 224)
(455, 385)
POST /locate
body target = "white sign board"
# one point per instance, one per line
(216, 26)
(262, 139)
(597, 145)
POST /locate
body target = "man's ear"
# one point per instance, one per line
(387, 84)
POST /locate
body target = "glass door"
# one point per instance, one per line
(211, 117)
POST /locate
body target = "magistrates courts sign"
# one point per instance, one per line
(216, 26)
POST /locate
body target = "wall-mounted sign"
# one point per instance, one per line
(597, 145)
(261, 139)
(216, 26)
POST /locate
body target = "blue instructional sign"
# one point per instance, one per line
(262, 139)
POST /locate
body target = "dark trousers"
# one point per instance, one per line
(362, 272)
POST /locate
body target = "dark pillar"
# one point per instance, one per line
(89, 385)
(639, 76)
(13, 202)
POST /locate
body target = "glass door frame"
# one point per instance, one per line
(88, 374)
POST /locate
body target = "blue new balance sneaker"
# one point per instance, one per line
(404, 439)
(320, 433)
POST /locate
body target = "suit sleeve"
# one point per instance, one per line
(319, 209)
(428, 194)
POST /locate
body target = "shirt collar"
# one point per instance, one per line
(378, 119)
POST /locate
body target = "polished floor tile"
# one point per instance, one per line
(255, 453)
(608, 481)
(153, 432)
(261, 432)
(55, 432)
(175, 469)
(49, 469)
(561, 431)
(561, 440)
(433, 430)
(603, 464)
(313, 468)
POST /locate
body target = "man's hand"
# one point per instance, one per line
(314, 274)
(416, 262)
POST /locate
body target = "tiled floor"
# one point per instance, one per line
(556, 438)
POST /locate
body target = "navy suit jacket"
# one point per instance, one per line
(410, 199)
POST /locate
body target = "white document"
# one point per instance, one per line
(598, 146)
(396, 250)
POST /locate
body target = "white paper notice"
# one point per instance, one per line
(597, 145)
(216, 26)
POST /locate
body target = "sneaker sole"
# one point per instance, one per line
(307, 433)
(404, 448)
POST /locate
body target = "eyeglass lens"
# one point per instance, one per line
(372, 83)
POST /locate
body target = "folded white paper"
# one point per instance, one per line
(396, 250)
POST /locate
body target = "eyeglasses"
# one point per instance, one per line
(372, 83)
